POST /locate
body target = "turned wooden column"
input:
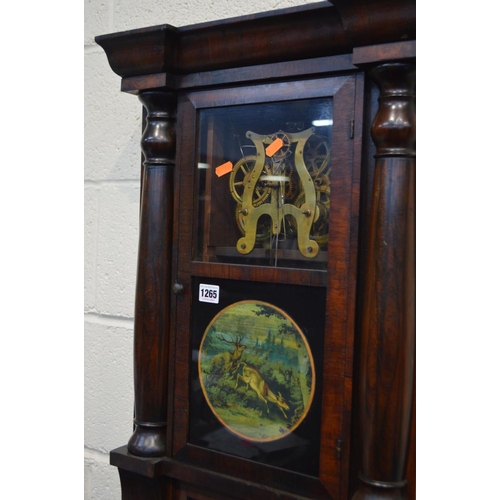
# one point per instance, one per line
(388, 314)
(153, 290)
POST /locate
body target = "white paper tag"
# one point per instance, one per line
(209, 293)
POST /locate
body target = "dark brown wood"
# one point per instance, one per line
(388, 52)
(340, 281)
(138, 487)
(411, 468)
(263, 275)
(316, 51)
(351, 294)
(388, 315)
(145, 466)
(372, 22)
(245, 74)
(153, 478)
(285, 35)
(139, 52)
(152, 306)
(339, 329)
(369, 95)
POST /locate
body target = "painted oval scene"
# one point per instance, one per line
(256, 371)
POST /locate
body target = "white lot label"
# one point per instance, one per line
(209, 293)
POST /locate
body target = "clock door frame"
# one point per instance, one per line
(338, 281)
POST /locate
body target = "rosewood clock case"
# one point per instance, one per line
(274, 323)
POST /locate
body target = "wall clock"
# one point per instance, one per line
(274, 323)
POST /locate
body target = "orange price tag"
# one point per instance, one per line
(224, 169)
(274, 147)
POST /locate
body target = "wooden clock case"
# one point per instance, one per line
(361, 54)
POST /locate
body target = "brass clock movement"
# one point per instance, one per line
(287, 180)
(264, 182)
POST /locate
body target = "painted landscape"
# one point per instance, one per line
(256, 371)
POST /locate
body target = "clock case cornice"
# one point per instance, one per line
(159, 56)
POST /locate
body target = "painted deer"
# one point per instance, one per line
(228, 361)
(253, 378)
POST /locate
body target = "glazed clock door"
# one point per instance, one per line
(266, 204)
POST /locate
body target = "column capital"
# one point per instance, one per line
(394, 128)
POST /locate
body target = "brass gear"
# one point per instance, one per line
(317, 155)
(322, 183)
(285, 150)
(286, 169)
(237, 179)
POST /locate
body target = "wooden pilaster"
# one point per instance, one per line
(152, 305)
(388, 312)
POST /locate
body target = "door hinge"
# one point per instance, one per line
(352, 129)
(338, 448)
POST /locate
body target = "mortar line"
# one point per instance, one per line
(109, 320)
(91, 48)
(106, 182)
(95, 454)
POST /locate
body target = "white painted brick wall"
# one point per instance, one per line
(112, 172)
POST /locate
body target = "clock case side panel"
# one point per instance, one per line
(177, 429)
(342, 288)
(338, 354)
